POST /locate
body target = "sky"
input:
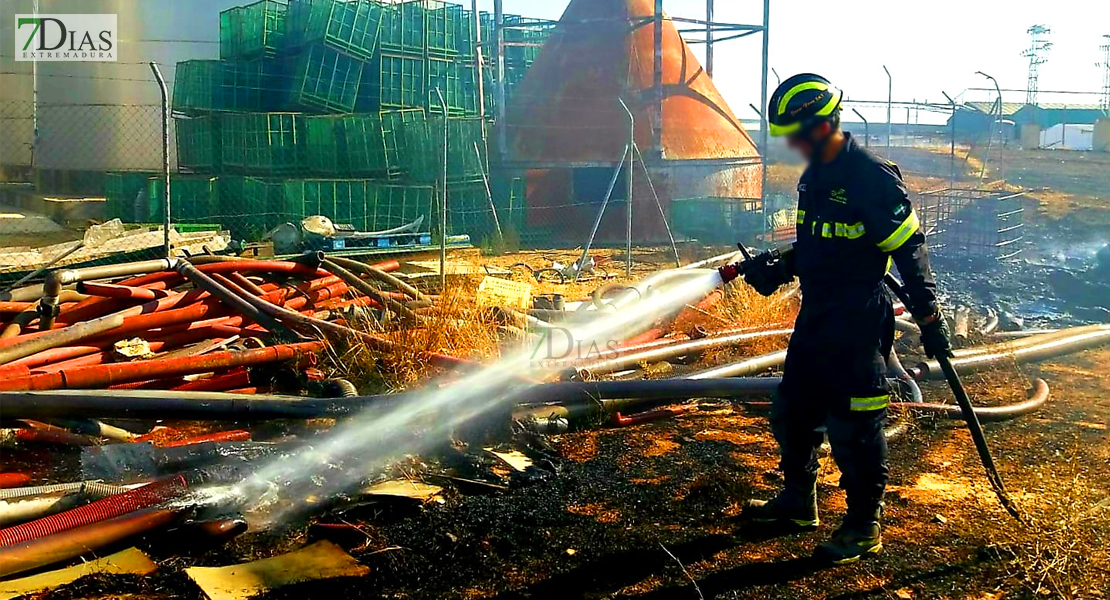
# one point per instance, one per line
(928, 46)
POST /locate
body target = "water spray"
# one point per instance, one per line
(294, 482)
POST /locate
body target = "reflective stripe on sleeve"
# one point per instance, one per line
(901, 235)
(870, 404)
(851, 232)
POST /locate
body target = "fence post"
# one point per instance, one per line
(165, 160)
(443, 202)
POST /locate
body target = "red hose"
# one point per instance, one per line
(16, 307)
(101, 376)
(11, 480)
(238, 435)
(113, 506)
(122, 292)
(217, 383)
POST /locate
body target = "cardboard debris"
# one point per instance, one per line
(126, 562)
(322, 560)
(494, 291)
(514, 459)
(133, 348)
(404, 488)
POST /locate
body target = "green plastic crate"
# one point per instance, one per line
(253, 30)
(350, 26)
(388, 206)
(257, 211)
(198, 143)
(443, 22)
(263, 143)
(253, 85)
(193, 199)
(122, 192)
(712, 220)
(325, 79)
(404, 27)
(198, 87)
(457, 81)
(392, 81)
(326, 145)
(468, 211)
(376, 145)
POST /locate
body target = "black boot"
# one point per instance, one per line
(851, 542)
(794, 509)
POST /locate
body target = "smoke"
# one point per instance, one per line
(294, 483)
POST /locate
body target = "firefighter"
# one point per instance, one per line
(854, 223)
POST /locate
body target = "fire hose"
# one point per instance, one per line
(968, 411)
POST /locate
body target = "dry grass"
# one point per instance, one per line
(1064, 551)
(455, 326)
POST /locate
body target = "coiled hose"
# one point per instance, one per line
(106, 508)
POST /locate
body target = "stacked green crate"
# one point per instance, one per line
(198, 143)
(326, 145)
(341, 200)
(404, 27)
(399, 145)
(364, 141)
(350, 26)
(199, 87)
(389, 205)
(264, 143)
(441, 23)
(258, 210)
(122, 192)
(193, 199)
(392, 81)
(456, 81)
(468, 211)
(325, 79)
(253, 30)
(252, 85)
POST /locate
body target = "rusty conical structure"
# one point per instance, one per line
(566, 109)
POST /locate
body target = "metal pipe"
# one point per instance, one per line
(1029, 352)
(231, 299)
(764, 139)
(987, 414)
(166, 217)
(44, 551)
(866, 129)
(889, 109)
(746, 367)
(628, 200)
(368, 290)
(651, 355)
(601, 212)
(380, 275)
(709, 38)
(443, 198)
(56, 280)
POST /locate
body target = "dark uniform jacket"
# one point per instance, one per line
(855, 222)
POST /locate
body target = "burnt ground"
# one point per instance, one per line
(646, 512)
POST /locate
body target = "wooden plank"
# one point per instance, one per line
(126, 562)
(322, 560)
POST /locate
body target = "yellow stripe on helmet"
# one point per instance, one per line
(781, 130)
(794, 91)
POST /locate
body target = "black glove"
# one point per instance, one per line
(935, 336)
(768, 276)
